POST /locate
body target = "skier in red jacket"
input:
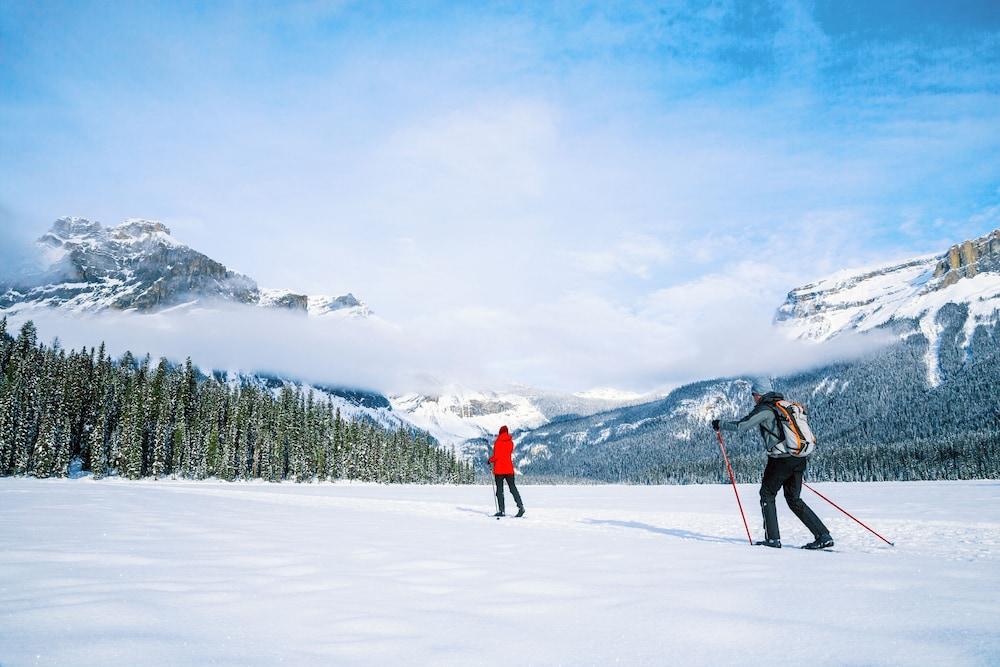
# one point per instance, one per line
(503, 469)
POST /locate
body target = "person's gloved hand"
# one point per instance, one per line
(715, 424)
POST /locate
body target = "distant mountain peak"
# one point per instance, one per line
(68, 227)
(138, 227)
(139, 266)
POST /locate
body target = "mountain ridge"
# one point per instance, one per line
(139, 266)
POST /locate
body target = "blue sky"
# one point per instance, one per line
(575, 174)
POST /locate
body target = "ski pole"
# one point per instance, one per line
(848, 514)
(496, 502)
(732, 478)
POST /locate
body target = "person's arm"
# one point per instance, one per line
(752, 420)
(493, 458)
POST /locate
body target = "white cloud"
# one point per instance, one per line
(635, 254)
(567, 198)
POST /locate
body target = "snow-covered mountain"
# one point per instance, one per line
(968, 273)
(139, 266)
(459, 414)
(910, 293)
(921, 407)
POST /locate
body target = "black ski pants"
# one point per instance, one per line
(498, 479)
(786, 473)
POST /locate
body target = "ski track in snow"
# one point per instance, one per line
(192, 573)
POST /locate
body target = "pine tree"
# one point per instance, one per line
(46, 446)
(178, 443)
(31, 380)
(62, 448)
(211, 452)
(6, 348)
(27, 340)
(97, 445)
(8, 432)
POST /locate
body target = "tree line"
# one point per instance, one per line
(132, 418)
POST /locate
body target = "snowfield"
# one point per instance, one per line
(187, 573)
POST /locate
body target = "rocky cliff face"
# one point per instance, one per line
(968, 259)
(139, 266)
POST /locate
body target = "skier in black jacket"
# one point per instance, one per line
(782, 470)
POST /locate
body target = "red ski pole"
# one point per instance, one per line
(848, 514)
(732, 478)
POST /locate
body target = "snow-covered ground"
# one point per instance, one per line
(183, 573)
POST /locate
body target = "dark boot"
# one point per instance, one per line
(500, 513)
(520, 512)
(821, 542)
(774, 544)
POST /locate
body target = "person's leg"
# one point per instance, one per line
(793, 492)
(498, 480)
(513, 491)
(774, 476)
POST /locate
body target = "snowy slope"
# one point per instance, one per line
(139, 266)
(968, 275)
(459, 414)
(861, 300)
(353, 404)
(113, 573)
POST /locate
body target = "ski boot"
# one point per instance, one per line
(520, 512)
(821, 542)
(773, 543)
(499, 514)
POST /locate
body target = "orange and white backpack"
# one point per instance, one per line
(798, 438)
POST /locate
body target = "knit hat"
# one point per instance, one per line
(761, 386)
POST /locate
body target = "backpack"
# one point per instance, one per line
(797, 438)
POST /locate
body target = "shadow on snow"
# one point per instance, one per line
(670, 532)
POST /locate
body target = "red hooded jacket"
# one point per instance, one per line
(503, 447)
